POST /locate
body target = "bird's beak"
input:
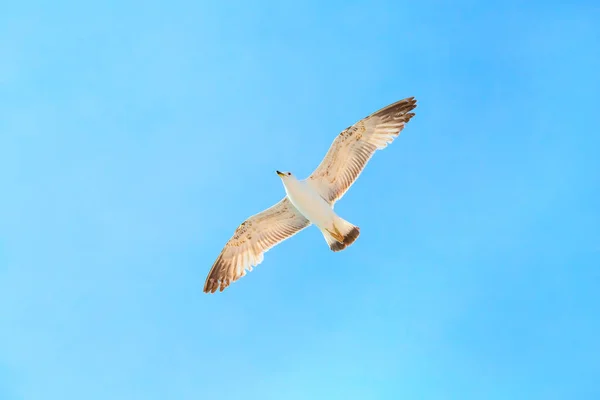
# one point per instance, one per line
(280, 173)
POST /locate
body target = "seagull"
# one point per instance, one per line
(311, 201)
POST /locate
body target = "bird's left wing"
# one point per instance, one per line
(251, 240)
(354, 147)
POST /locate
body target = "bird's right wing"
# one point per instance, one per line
(251, 240)
(354, 147)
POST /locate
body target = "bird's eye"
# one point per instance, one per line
(289, 173)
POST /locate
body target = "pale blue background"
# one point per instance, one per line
(136, 136)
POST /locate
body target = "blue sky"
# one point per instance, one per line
(135, 136)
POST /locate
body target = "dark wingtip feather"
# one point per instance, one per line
(398, 108)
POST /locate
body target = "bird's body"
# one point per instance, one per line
(318, 211)
(311, 201)
(308, 202)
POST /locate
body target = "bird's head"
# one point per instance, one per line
(288, 179)
(285, 175)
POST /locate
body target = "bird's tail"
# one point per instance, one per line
(341, 235)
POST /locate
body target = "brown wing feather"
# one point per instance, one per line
(354, 147)
(251, 240)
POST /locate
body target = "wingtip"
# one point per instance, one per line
(400, 107)
(212, 285)
(412, 103)
(213, 288)
(209, 286)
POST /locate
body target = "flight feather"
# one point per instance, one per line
(251, 240)
(354, 147)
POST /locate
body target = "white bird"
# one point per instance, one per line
(311, 201)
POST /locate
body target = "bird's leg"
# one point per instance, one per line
(336, 234)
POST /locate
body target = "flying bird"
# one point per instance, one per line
(310, 201)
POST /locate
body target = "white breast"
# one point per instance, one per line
(310, 203)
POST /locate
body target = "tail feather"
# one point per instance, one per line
(344, 234)
(334, 245)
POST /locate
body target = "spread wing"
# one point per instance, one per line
(251, 240)
(354, 147)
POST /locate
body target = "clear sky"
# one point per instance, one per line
(135, 136)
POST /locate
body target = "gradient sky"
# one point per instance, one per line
(135, 136)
